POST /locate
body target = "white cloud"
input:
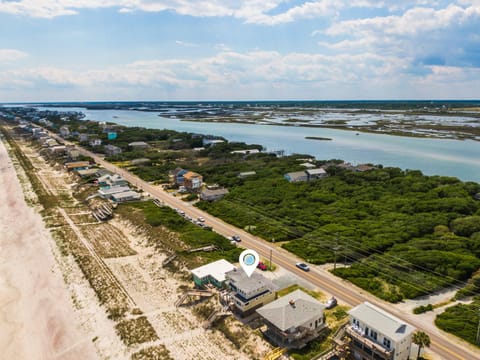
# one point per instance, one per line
(186, 43)
(235, 75)
(251, 11)
(413, 21)
(11, 55)
(225, 69)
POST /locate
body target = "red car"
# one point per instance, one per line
(262, 266)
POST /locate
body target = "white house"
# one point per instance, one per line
(126, 196)
(107, 193)
(212, 273)
(377, 334)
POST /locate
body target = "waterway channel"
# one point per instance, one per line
(432, 156)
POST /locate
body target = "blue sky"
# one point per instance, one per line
(67, 50)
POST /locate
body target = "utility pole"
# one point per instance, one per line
(346, 248)
(335, 249)
(271, 251)
(478, 329)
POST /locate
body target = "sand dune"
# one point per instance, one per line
(37, 320)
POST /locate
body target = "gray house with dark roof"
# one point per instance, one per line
(293, 320)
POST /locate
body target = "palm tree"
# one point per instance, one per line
(421, 339)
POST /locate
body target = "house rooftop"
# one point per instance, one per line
(308, 165)
(129, 194)
(113, 190)
(249, 284)
(318, 171)
(72, 165)
(191, 175)
(247, 173)
(382, 321)
(210, 192)
(216, 269)
(138, 143)
(292, 310)
(297, 175)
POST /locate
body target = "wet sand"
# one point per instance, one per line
(37, 318)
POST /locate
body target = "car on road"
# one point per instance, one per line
(262, 266)
(331, 303)
(302, 266)
(201, 219)
(236, 238)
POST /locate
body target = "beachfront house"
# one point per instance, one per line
(107, 193)
(377, 334)
(293, 320)
(249, 293)
(212, 273)
(110, 180)
(77, 165)
(123, 196)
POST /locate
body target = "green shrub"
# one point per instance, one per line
(423, 309)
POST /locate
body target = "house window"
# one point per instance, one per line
(387, 343)
(373, 334)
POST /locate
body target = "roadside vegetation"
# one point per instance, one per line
(461, 320)
(400, 233)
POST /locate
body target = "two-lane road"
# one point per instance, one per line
(346, 292)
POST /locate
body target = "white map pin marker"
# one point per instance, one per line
(249, 260)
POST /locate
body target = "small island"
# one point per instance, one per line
(317, 138)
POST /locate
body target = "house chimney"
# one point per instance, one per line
(292, 303)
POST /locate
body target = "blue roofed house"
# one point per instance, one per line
(177, 176)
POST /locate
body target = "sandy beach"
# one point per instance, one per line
(37, 319)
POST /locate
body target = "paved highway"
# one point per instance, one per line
(441, 344)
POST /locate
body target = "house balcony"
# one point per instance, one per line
(369, 348)
(296, 340)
